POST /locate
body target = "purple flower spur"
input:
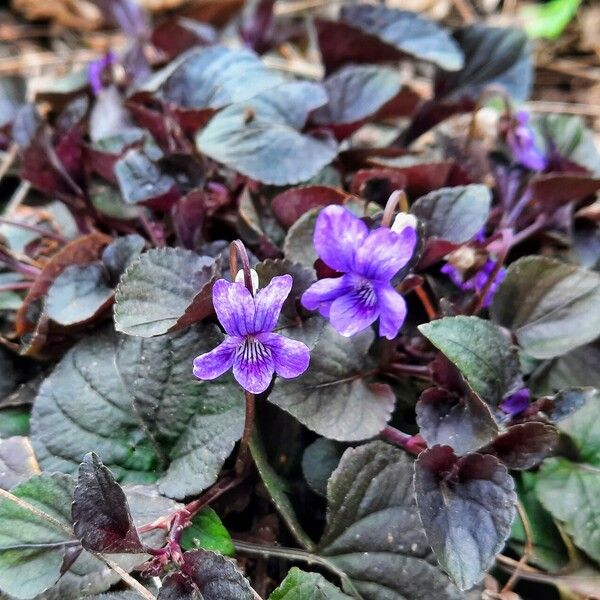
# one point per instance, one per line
(250, 346)
(368, 261)
(522, 143)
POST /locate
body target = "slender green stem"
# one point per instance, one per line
(295, 555)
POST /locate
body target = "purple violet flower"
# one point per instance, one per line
(516, 403)
(250, 346)
(476, 282)
(522, 143)
(96, 69)
(368, 261)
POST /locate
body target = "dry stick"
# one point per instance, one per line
(18, 197)
(135, 585)
(36, 228)
(526, 550)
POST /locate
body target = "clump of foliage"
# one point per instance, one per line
(411, 327)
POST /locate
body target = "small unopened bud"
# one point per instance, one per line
(403, 220)
(239, 278)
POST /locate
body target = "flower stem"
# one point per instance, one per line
(15, 286)
(414, 370)
(432, 313)
(397, 198)
(411, 443)
(244, 457)
(237, 249)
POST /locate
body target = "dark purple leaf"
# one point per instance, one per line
(215, 576)
(290, 205)
(260, 138)
(257, 29)
(376, 33)
(462, 421)
(178, 586)
(82, 251)
(101, 517)
(142, 181)
(467, 506)
(212, 78)
(176, 35)
(189, 215)
(118, 255)
(525, 445)
(552, 191)
(356, 93)
(377, 184)
(78, 295)
(454, 214)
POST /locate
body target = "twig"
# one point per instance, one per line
(527, 550)
(134, 584)
(586, 110)
(35, 228)
(18, 197)
(8, 160)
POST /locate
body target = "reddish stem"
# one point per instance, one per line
(414, 444)
(18, 285)
(432, 313)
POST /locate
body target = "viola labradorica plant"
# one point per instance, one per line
(523, 145)
(250, 346)
(368, 261)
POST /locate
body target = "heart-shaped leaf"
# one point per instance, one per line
(482, 353)
(357, 92)
(525, 445)
(332, 397)
(212, 78)
(300, 585)
(207, 532)
(371, 33)
(467, 506)
(78, 295)
(463, 422)
(373, 530)
(260, 138)
(164, 290)
(17, 461)
(100, 512)
(569, 492)
(455, 214)
(550, 306)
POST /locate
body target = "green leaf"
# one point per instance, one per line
(107, 199)
(373, 531)
(195, 423)
(300, 585)
(548, 20)
(31, 554)
(298, 245)
(320, 460)
(549, 551)
(164, 290)
(14, 421)
(454, 214)
(550, 306)
(17, 461)
(260, 138)
(332, 397)
(84, 404)
(570, 138)
(570, 492)
(583, 427)
(207, 532)
(78, 294)
(481, 352)
(576, 368)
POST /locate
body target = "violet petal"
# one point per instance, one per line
(268, 302)
(253, 366)
(322, 293)
(234, 306)
(338, 235)
(217, 361)
(355, 310)
(392, 311)
(291, 357)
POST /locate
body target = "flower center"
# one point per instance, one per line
(366, 293)
(252, 351)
